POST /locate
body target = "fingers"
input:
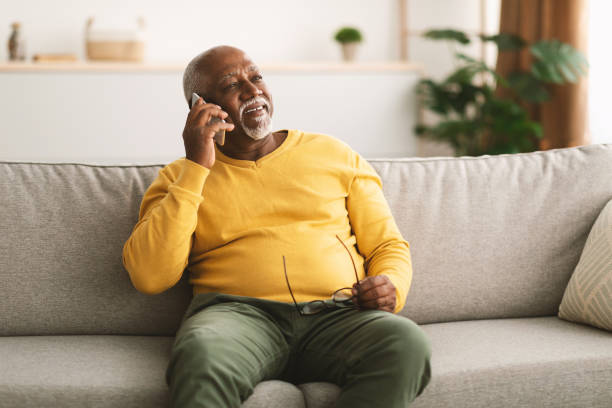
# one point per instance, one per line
(200, 108)
(386, 303)
(206, 119)
(378, 285)
(217, 125)
(201, 113)
(375, 292)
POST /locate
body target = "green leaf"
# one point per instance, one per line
(435, 97)
(528, 87)
(467, 58)
(463, 96)
(462, 134)
(447, 34)
(505, 41)
(557, 62)
(348, 34)
(510, 127)
(463, 75)
(480, 66)
(536, 129)
(421, 130)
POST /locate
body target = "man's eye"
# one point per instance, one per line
(230, 87)
(257, 78)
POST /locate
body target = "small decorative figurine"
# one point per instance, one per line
(16, 44)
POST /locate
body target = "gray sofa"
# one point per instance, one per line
(494, 241)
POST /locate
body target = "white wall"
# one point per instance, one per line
(269, 30)
(458, 14)
(121, 118)
(600, 59)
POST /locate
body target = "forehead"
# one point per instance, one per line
(232, 71)
(229, 64)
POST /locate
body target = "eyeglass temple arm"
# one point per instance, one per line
(289, 286)
(351, 256)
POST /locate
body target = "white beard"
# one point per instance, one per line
(263, 129)
(264, 122)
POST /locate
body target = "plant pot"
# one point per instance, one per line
(349, 51)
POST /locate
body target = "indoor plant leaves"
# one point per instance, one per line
(557, 62)
(473, 118)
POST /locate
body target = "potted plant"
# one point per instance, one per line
(349, 38)
(472, 117)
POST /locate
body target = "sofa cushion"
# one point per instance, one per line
(495, 236)
(102, 371)
(588, 296)
(530, 362)
(320, 394)
(533, 362)
(522, 363)
(78, 371)
(63, 227)
(275, 394)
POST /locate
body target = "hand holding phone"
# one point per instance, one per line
(220, 135)
(204, 126)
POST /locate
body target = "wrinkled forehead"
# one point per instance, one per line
(230, 64)
(231, 71)
(223, 66)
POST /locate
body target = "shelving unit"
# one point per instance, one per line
(405, 32)
(86, 66)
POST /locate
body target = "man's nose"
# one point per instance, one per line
(251, 90)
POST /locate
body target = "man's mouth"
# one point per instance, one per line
(256, 111)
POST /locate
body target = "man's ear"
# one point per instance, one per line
(208, 98)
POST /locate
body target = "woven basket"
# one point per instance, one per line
(115, 50)
(115, 45)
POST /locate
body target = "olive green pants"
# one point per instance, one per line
(227, 344)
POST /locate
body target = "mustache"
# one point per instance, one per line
(253, 101)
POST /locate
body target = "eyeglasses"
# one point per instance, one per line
(343, 297)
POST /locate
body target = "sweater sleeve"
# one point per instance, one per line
(378, 238)
(157, 252)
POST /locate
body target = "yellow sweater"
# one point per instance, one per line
(231, 225)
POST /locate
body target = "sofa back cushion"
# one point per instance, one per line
(495, 236)
(62, 231)
(490, 237)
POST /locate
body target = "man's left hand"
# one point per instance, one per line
(375, 292)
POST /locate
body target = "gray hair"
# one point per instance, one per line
(192, 76)
(195, 70)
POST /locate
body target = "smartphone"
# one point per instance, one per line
(220, 135)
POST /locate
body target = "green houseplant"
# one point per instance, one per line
(472, 117)
(349, 38)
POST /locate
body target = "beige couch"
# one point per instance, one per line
(494, 241)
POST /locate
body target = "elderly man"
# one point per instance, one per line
(297, 265)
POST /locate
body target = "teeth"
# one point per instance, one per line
(255, 109)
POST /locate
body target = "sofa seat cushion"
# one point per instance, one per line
(530, 362)
(102, 371)
(78, 371)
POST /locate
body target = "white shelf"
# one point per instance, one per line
(86, 66)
